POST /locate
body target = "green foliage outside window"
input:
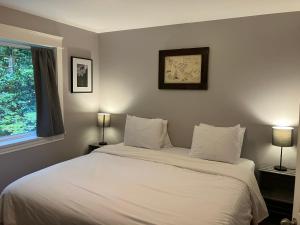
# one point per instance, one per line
(17, 95)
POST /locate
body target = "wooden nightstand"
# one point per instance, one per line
(92, 147)
(277, 188)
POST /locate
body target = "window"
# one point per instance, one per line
(17, 93)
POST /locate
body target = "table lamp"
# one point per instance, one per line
(282, 137)
(103, 121)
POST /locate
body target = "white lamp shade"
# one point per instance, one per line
(282, 136)
(104, 119)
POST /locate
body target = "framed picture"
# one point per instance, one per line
(183, 68)
(81, 75)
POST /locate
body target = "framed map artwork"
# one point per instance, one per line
(183, 68)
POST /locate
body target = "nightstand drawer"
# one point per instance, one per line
(285, 210)
(277, 188)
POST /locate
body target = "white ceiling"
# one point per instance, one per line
(112, 15)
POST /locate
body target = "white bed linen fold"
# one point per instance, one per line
(121, 185)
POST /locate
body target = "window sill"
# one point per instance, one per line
(26, 141)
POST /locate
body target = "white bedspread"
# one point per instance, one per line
(119, 185)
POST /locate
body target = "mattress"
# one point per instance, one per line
(121, 185)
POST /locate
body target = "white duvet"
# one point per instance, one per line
(119, 185)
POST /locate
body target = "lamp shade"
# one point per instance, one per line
(104, 119)
(282, 136)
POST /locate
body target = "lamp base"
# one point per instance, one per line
(102, 143)
(280, 168)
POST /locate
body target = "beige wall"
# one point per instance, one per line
(254, 79)
(79, 109)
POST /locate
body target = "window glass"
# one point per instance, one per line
(17, 93)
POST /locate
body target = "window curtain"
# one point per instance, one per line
(49, 117)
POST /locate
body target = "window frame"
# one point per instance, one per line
(20, 36)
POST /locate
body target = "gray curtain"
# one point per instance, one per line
(49, 117)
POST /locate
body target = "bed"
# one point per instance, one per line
(122, 185)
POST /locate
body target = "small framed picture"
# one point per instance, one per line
(81, 75)
(183, 68)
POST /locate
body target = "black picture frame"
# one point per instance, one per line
(202, 85)
(86, 84)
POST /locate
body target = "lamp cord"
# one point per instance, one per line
(103, 123)
(280, 157)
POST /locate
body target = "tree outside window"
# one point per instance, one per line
(17, 93)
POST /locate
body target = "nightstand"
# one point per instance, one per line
(92, 147)
(277, 188)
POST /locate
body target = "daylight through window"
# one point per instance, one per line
(17, 93)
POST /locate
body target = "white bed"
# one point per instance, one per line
(121, 185)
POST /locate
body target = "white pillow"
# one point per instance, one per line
(241, 132)
(216, 143)
(166, 142)
(145, 133)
